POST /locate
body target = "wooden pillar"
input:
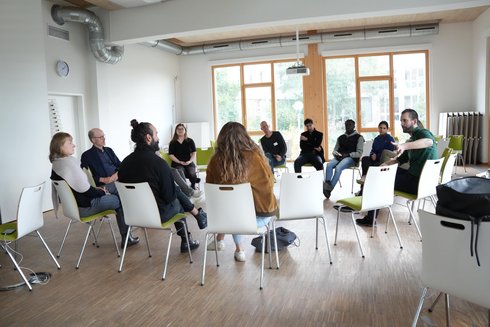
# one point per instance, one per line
(313, 91)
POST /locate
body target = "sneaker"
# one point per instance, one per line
(202, 218)
(197, 194)
(240, 256)
(221, 245)
(184, 247)
(366, 221)
(361, 180)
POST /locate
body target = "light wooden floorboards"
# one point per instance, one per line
(381, 290)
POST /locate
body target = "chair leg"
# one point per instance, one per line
(64, 238)
(326, 238)
(275, 243)
(448, 315)
(168, 253)
(396, 227)
(90, 228)
(147, 243)
(113, 237)
(419, 307)
(96, 236)
(435, 302)
(262, 264)
(412, 217)
(357, 234)
(18, 268)
(124, 249)
(337, 226)
(187, 239)
(374, 222)
(47, 249)
(206, 239)
(316, 234)
(269, 245)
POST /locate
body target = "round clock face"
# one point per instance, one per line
(62, 68)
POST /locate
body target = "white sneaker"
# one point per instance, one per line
(221, 245)
(240, 256)
(197, 193)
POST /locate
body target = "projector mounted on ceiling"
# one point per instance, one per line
(298, 68)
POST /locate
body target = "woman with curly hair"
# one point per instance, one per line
(238, 159)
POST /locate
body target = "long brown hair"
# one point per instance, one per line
(176, 137)
(233, 140)
(56, 143)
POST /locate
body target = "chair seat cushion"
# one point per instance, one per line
(9, 237)
(97, 216)
(406, 195)
(172, 220)
(354, 202)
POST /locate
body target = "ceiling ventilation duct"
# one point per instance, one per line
(388, 32)
(424, 30)
(110, 55)
(343, 36)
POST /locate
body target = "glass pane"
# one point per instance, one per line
(341, 97)
(374, 65)
(257, 73)
(259, 106)
(289, 108)
(227, 95)
(375, 103)
(410, 87)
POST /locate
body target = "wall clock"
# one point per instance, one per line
(62, 68)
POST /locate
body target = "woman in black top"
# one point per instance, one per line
(182, 151)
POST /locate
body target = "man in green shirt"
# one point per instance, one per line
(420, 147)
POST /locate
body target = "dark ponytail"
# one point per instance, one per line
(139, 132)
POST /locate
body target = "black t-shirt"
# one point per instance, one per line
(182, 151)
(274, 144)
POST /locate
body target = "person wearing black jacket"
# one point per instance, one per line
(311, 148)
(273, 145)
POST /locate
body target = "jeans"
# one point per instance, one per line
(106, 202)
(332, 177)
(179, 178)
(310, 158)
(261, 222)
(273, 162)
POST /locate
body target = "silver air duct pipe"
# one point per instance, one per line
(110, 55)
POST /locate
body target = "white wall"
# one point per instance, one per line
(24, 120)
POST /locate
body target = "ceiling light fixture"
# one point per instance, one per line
(298, 68)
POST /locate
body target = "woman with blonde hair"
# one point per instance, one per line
(238, 159)
(182, 151)
(90, 200)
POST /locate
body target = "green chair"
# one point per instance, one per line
(203, 156)
(29, 219)
(456, 143)
(141, 210)
(70, 210)
(166, 157)
(448, 159)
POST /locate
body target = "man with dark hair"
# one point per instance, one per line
(311, 148)
(273, 145)
(347, 152)
(144, 165)
(420, 147)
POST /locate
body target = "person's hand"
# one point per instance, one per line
(345, 155)
(278, 157)
(303, 138)
(105, 180)
(318, 149)
(399, 149)
(104, 189)
(114, 177)
(373, 157)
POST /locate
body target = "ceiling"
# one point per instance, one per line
(449, 16)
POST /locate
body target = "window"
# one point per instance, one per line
(252, 92)
(372, 88)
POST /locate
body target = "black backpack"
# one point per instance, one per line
(285, 237)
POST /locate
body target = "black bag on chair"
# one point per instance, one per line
(466, 198)
(285, 237)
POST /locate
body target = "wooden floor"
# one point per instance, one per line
(381, 290)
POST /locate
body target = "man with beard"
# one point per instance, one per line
(144, 165)
(420, 147)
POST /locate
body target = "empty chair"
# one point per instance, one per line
(429, 179)
(231, 210)
(141, 210)
(203, 156)
(29, 219)
(301, 197)
(70, 210)
(447, 263)
(378, 193)
(441, 145)
(447, 166)
(456, 143)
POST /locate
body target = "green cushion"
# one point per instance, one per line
(406, 195)
(172, 220)
(97, 216)
(353, 202)
(10, 237)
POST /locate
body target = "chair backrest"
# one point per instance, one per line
(429, 178)
(301, 195)
(230, 209)
(30, 210)
(139, 205)
(441, 146)
(203, 156)
(68, 202)
(447, 265)
(90, 177)
(379, 187)
(456, 142)
(366, 149)
(447, 168)
(165, 156)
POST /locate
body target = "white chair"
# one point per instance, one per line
(429, 179)
(378, 193)
(366, 150)
(141, 210)
(231, 210)
(70, 210)
(447, 169)
(301, 197)
(447, 265)
(441, 145)
(29, 219)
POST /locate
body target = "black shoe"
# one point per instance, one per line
(202, 218)
(366, 221)
(327, 193)
(327, 189)
(194, 244)
(132, 240)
